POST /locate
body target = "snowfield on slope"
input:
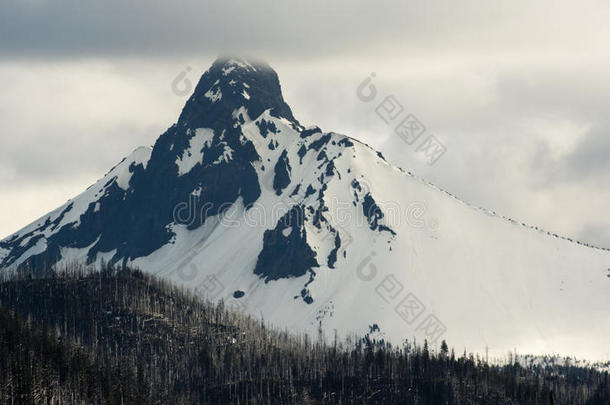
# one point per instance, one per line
(489, 282)
(322, 234)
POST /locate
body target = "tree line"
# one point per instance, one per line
(120, 336)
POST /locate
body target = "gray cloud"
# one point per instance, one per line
(517, 91)
(50, 158)
(73, 28)
(591, 158)
(587, 163)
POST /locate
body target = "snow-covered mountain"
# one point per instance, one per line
(315, 231)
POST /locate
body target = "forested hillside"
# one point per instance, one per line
(120, 336)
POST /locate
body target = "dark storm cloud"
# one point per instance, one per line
(76, 28)
(67, 28)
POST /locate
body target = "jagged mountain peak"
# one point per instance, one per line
(229, 64)
(230, 84)
(317, 230)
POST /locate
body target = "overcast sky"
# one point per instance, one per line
(519, 93)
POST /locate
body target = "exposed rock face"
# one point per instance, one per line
(238, 201)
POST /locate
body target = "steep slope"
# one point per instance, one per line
(315, 230)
